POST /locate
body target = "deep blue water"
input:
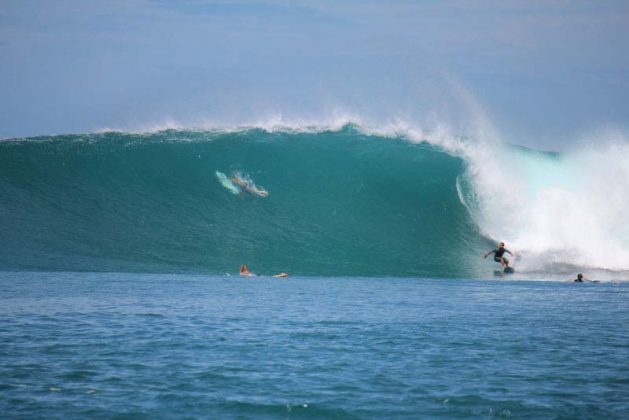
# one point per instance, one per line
(78, 345)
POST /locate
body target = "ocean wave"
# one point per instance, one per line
(345, 198)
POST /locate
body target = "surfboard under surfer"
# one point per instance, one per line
(499, 255)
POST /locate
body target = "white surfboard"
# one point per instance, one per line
(227, 183)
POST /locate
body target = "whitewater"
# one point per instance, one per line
(345, 200)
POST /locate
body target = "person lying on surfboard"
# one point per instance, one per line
(247, 184)
(244, 271)
(499, 255)
(581, 279)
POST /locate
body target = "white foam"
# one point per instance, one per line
(565, 209)
(274, 122)
(555, 210)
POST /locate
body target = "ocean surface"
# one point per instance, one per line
(111, 345)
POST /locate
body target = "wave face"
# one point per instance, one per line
(340, 203)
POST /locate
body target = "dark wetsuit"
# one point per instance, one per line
(498, 253)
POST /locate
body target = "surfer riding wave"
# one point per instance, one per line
(499, 255)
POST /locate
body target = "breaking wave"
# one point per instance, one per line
(342, 200)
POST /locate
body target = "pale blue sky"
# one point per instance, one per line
(542, 72)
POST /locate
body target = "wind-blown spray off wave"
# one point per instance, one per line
(341, 202)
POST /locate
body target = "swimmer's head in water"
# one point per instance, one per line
(579, 276)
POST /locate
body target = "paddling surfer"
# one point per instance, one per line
(244, 271)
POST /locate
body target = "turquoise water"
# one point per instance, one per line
(340, 203)
(76, 345)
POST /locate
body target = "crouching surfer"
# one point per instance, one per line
(499, 255)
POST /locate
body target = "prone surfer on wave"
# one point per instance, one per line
(247, 184)
(499, 255)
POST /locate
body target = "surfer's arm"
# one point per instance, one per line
(509, 252)
(490, 252)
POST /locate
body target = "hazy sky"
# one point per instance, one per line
(542, 73)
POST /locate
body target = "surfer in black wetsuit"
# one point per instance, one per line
(579, 278)
(498, 255)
